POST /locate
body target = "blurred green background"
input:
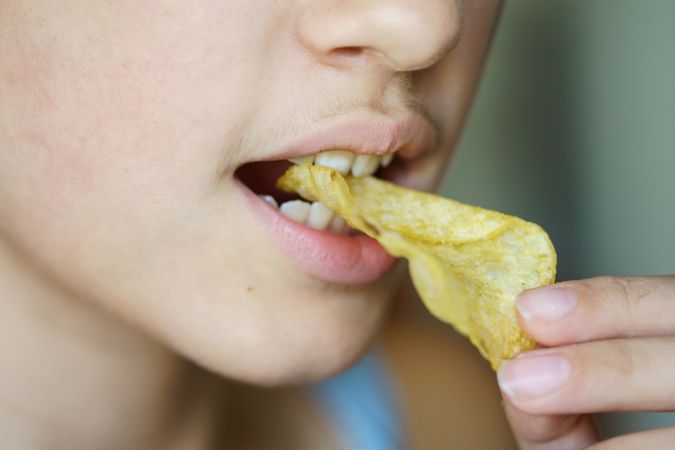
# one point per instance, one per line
(574, 128)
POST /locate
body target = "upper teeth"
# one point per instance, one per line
(365, 165)
(345, 162)
(340, 160)
(302, 159)
(386, 159)
(316, 214)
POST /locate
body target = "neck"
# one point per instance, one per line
(74, 377)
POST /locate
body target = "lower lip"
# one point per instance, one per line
(330, 257)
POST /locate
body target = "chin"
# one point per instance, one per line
(307, 334)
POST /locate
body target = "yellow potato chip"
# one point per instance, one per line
(468, 264)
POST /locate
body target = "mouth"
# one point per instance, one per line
(260, 178)
(317, 239)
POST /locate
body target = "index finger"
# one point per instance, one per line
(598, 308)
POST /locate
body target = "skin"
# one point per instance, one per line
(140, 194)
(126, 250)
(616, 339)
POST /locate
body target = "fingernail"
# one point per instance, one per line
(549, 303)
(533, 375)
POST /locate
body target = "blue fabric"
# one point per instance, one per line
(362, 405)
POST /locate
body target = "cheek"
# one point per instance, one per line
(115, 117)
(112, 151)
(113, 145)
(449, 86)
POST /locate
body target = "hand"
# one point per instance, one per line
(611, 347)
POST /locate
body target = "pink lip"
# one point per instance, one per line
(409, 134)
(330, 257)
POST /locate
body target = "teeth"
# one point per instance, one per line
(345, 161)
(319, 216)
(338, 224)
(269, 200)
(302, 159)
(340, 160)
(365, 165)
(386, 159)
(296, 210)
(315, 215)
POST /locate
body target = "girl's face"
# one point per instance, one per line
(124, 127)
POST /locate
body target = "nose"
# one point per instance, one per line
(403, 34)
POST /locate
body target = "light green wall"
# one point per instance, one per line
(574, 128)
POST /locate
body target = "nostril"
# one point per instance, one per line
(401, 35)
(348, 52)
(348, 56)
(354, 56)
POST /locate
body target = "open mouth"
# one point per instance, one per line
(261, 177)
(360, 144)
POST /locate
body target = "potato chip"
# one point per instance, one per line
(468, 264)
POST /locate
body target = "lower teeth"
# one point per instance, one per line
(270, 201)
(315, 214)
(319, 216)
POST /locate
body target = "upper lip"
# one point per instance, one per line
(409, 134)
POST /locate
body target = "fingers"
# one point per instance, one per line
(663, 438)
(612, 375)
(598, 308)
(615, 351)
(550, 432)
